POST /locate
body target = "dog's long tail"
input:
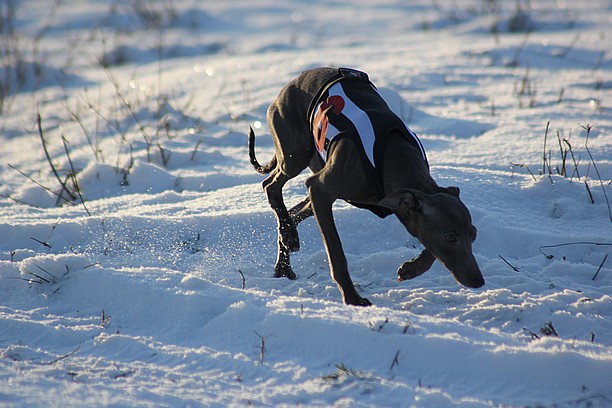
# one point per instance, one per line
(258, 167)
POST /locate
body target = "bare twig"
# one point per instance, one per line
(395, 360)
(532, 334)
(43, 243)
(563, 153)
(38, 276)
(509, 264)
(600, 59)
(47, 272)
(164, 156)
(262, 347)
(560, 97)
(243, 279)
(124, 374)
(195, 149)
(407, 327)
(22, 279)
(342, 371)
(107, 122)
(570, 243)
(65, 356)
(105, 320)
(588, 189)
(380, 326)
(567, 49)
(91, 265)
(8, 196)
(600, 266)
(515, 59)
(93, 144)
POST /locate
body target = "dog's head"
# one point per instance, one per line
(443, 225)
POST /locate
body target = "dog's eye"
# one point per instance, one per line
(450, 237)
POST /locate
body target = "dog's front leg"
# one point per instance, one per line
(321, 203)
(301, 211)
(416, 266)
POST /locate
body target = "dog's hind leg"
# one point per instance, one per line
(288, 239)
(299, 213)
(287, 231)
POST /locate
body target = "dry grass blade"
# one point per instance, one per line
(588, 128)
(73, 176)
(571, 152)
(48, 156)
(130, 110)
(545, 165)
(59, 196)
(524, 166)
(65, 356)
(549, 330)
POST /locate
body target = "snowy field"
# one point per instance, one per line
(136, 257)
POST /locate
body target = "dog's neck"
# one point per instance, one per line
(404, 166)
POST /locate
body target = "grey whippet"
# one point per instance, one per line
(313, 123)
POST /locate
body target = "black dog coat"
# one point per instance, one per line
(342, 109)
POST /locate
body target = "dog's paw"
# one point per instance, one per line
(410, 270)
(358, 301)
(284, 272)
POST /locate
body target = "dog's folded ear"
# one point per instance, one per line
(407, 197)
(452, 190)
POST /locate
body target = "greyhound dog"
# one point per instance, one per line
(334, 121)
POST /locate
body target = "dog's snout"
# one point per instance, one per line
(475, 282)
(471, 278)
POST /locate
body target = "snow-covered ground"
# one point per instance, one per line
(152, 285)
